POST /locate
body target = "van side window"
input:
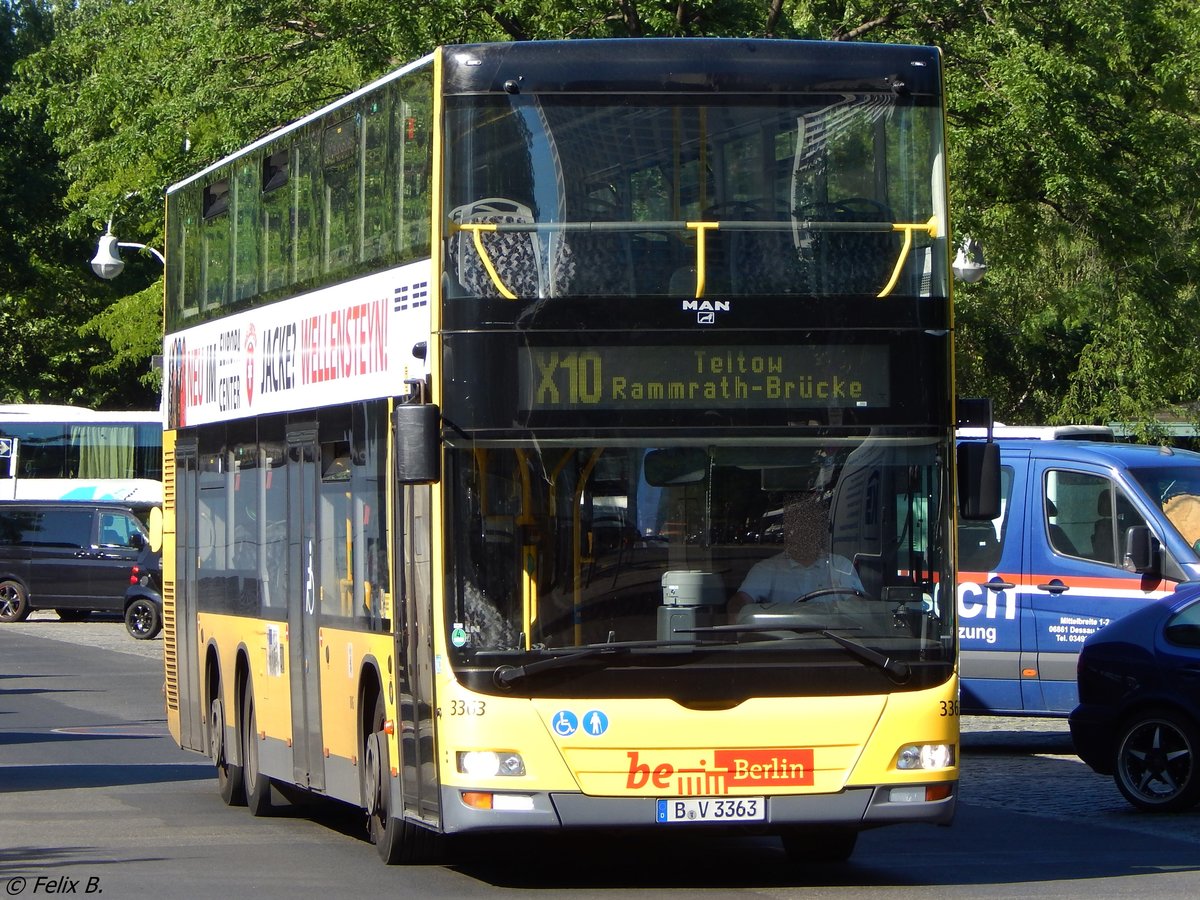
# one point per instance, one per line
(1086, 515)
(980, 543)
(65, 528)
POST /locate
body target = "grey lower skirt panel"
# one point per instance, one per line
(857, 808)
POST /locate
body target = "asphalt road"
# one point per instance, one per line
(94, 793)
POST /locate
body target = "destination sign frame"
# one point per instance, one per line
(633, 377)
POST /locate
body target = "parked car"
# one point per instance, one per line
(143, 598)
(74, 558)
(1138, 718)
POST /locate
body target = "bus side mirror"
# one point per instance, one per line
(418, 442)
(1140, 551)
(978, 480)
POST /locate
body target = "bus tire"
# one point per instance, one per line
(14, 601)
(229, 776)
(808, 846)
(397, 841)
(258, 785)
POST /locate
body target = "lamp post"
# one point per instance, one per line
(107, 262)
(968, 262)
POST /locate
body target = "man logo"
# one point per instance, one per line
(706, 310)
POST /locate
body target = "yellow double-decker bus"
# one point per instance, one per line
(560, 436)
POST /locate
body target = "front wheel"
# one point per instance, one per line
(14, 601)
(1156, 762)
(142, 619)
(396, 840)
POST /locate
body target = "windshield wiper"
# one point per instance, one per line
(505, 676)
(895, 668)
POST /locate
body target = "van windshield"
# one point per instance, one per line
(1176, 490)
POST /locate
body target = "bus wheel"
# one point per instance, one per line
(258, 785)
(14, 601)
(229, 776)
(396, 841)
(805, 846)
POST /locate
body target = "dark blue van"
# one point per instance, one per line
(1088, 532)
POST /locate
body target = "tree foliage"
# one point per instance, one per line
(1072, 132)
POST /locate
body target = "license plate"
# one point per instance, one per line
(712, 809)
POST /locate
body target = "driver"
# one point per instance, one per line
(805, 565)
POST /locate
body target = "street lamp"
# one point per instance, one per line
(107, 262)
(968, 262)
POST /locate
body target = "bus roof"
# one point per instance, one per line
(49, 412)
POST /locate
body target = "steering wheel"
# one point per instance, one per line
(825, 592)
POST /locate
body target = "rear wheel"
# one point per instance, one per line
(142, 619)
(396, 840)
(14, 601)
(258, 785)
(827, 845)
(1156, 762)
(229, 776)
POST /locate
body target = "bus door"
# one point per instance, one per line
(304, 455)
(1077, 583)
(414, 650)
(193, 715)
(991, 575)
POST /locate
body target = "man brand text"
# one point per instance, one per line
(706, 305)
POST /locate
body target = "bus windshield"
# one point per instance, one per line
(751, 552)
(685, 195)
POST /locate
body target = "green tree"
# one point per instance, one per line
(45, 294)
(1072, 134)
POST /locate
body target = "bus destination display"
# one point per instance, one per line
(663, 377)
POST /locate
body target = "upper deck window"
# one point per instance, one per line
(680, 195)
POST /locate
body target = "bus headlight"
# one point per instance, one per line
(490, 763)
(926, 756)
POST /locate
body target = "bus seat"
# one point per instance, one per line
(515, 256)
(591, 263)
(765, 262)
(849, 262)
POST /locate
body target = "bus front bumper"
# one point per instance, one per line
(858, 808)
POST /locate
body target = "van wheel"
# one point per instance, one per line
(14, 601)
(142, 619)
(73, 615)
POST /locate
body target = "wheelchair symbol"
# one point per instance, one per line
(566, 723)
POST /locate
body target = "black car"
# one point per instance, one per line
(72, 557)
(1138, 717)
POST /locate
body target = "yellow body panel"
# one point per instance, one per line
(655, 747)
(266, 647)
(344, 654)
